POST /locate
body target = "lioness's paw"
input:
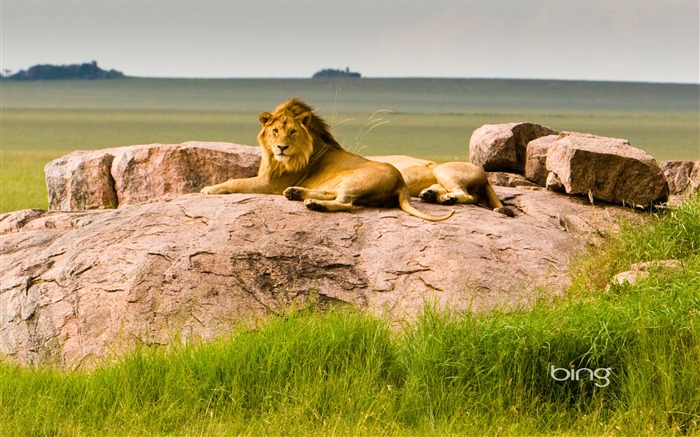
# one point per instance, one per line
(292, 193)
(447, 199)
(429, 196)
(207, 190)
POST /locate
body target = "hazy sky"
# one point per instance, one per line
(635, 40)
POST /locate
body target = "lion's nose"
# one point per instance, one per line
(282, 148)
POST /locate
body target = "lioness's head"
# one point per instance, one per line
(291, 135)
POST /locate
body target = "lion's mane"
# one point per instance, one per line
(314, 140)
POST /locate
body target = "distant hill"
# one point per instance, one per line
(329, 72)
(87, 71)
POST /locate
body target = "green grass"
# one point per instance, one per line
(428, 118)
(33, 137)
(345, 373)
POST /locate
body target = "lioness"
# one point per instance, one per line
(447, 183)
(302, 161)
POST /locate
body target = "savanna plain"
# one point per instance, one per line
(340, 372)
(428, 118)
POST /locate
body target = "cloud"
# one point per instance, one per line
(617, 40)
(583, 40)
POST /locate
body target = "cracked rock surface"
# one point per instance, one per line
(77, 288)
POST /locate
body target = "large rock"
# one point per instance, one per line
(536, 159)
(683, 177)
(502, 147)
(109, 178)
(81, 180)
(609, 169)
(80, 287)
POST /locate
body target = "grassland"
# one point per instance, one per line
(344, 373)
(430, 118)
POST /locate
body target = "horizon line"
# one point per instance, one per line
(650, 82)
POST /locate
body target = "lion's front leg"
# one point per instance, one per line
(223, 188)
(254, 185)
(339, 204)
(320, 200)
(300, 193)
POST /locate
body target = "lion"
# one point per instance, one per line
(302, 161)
(447, 183)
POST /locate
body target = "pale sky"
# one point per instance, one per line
(632, 40)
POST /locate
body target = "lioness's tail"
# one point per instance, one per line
(492, 198)
(405, 204)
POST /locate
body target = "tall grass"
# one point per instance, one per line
(674, 235)
(345, 373)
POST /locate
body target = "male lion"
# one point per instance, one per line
(302, 161)
(447, 183)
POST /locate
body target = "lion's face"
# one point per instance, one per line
(287, 140)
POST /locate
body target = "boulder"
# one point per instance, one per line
(608, 169)
(81, 180)
(640, 271)
(111, 178)
(501, 147)
(536, 159)
(683, 177)
(159, 172)
(78, 288)
(503, 179)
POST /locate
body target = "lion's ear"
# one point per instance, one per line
(305, 118)
(264, 117)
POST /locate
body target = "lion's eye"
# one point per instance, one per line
(292, 132)
(275, 131)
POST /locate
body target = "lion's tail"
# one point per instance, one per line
(492, 198)
(405, 204)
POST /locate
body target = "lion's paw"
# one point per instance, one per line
(315, 206)
(207, 190)
(292, 193)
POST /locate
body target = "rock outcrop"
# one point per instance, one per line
(502, 147)
(81, 287)
(608, 169)
(536, 159)
(81, 180)
(111, 178)
(683, 177)
(603, 168)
